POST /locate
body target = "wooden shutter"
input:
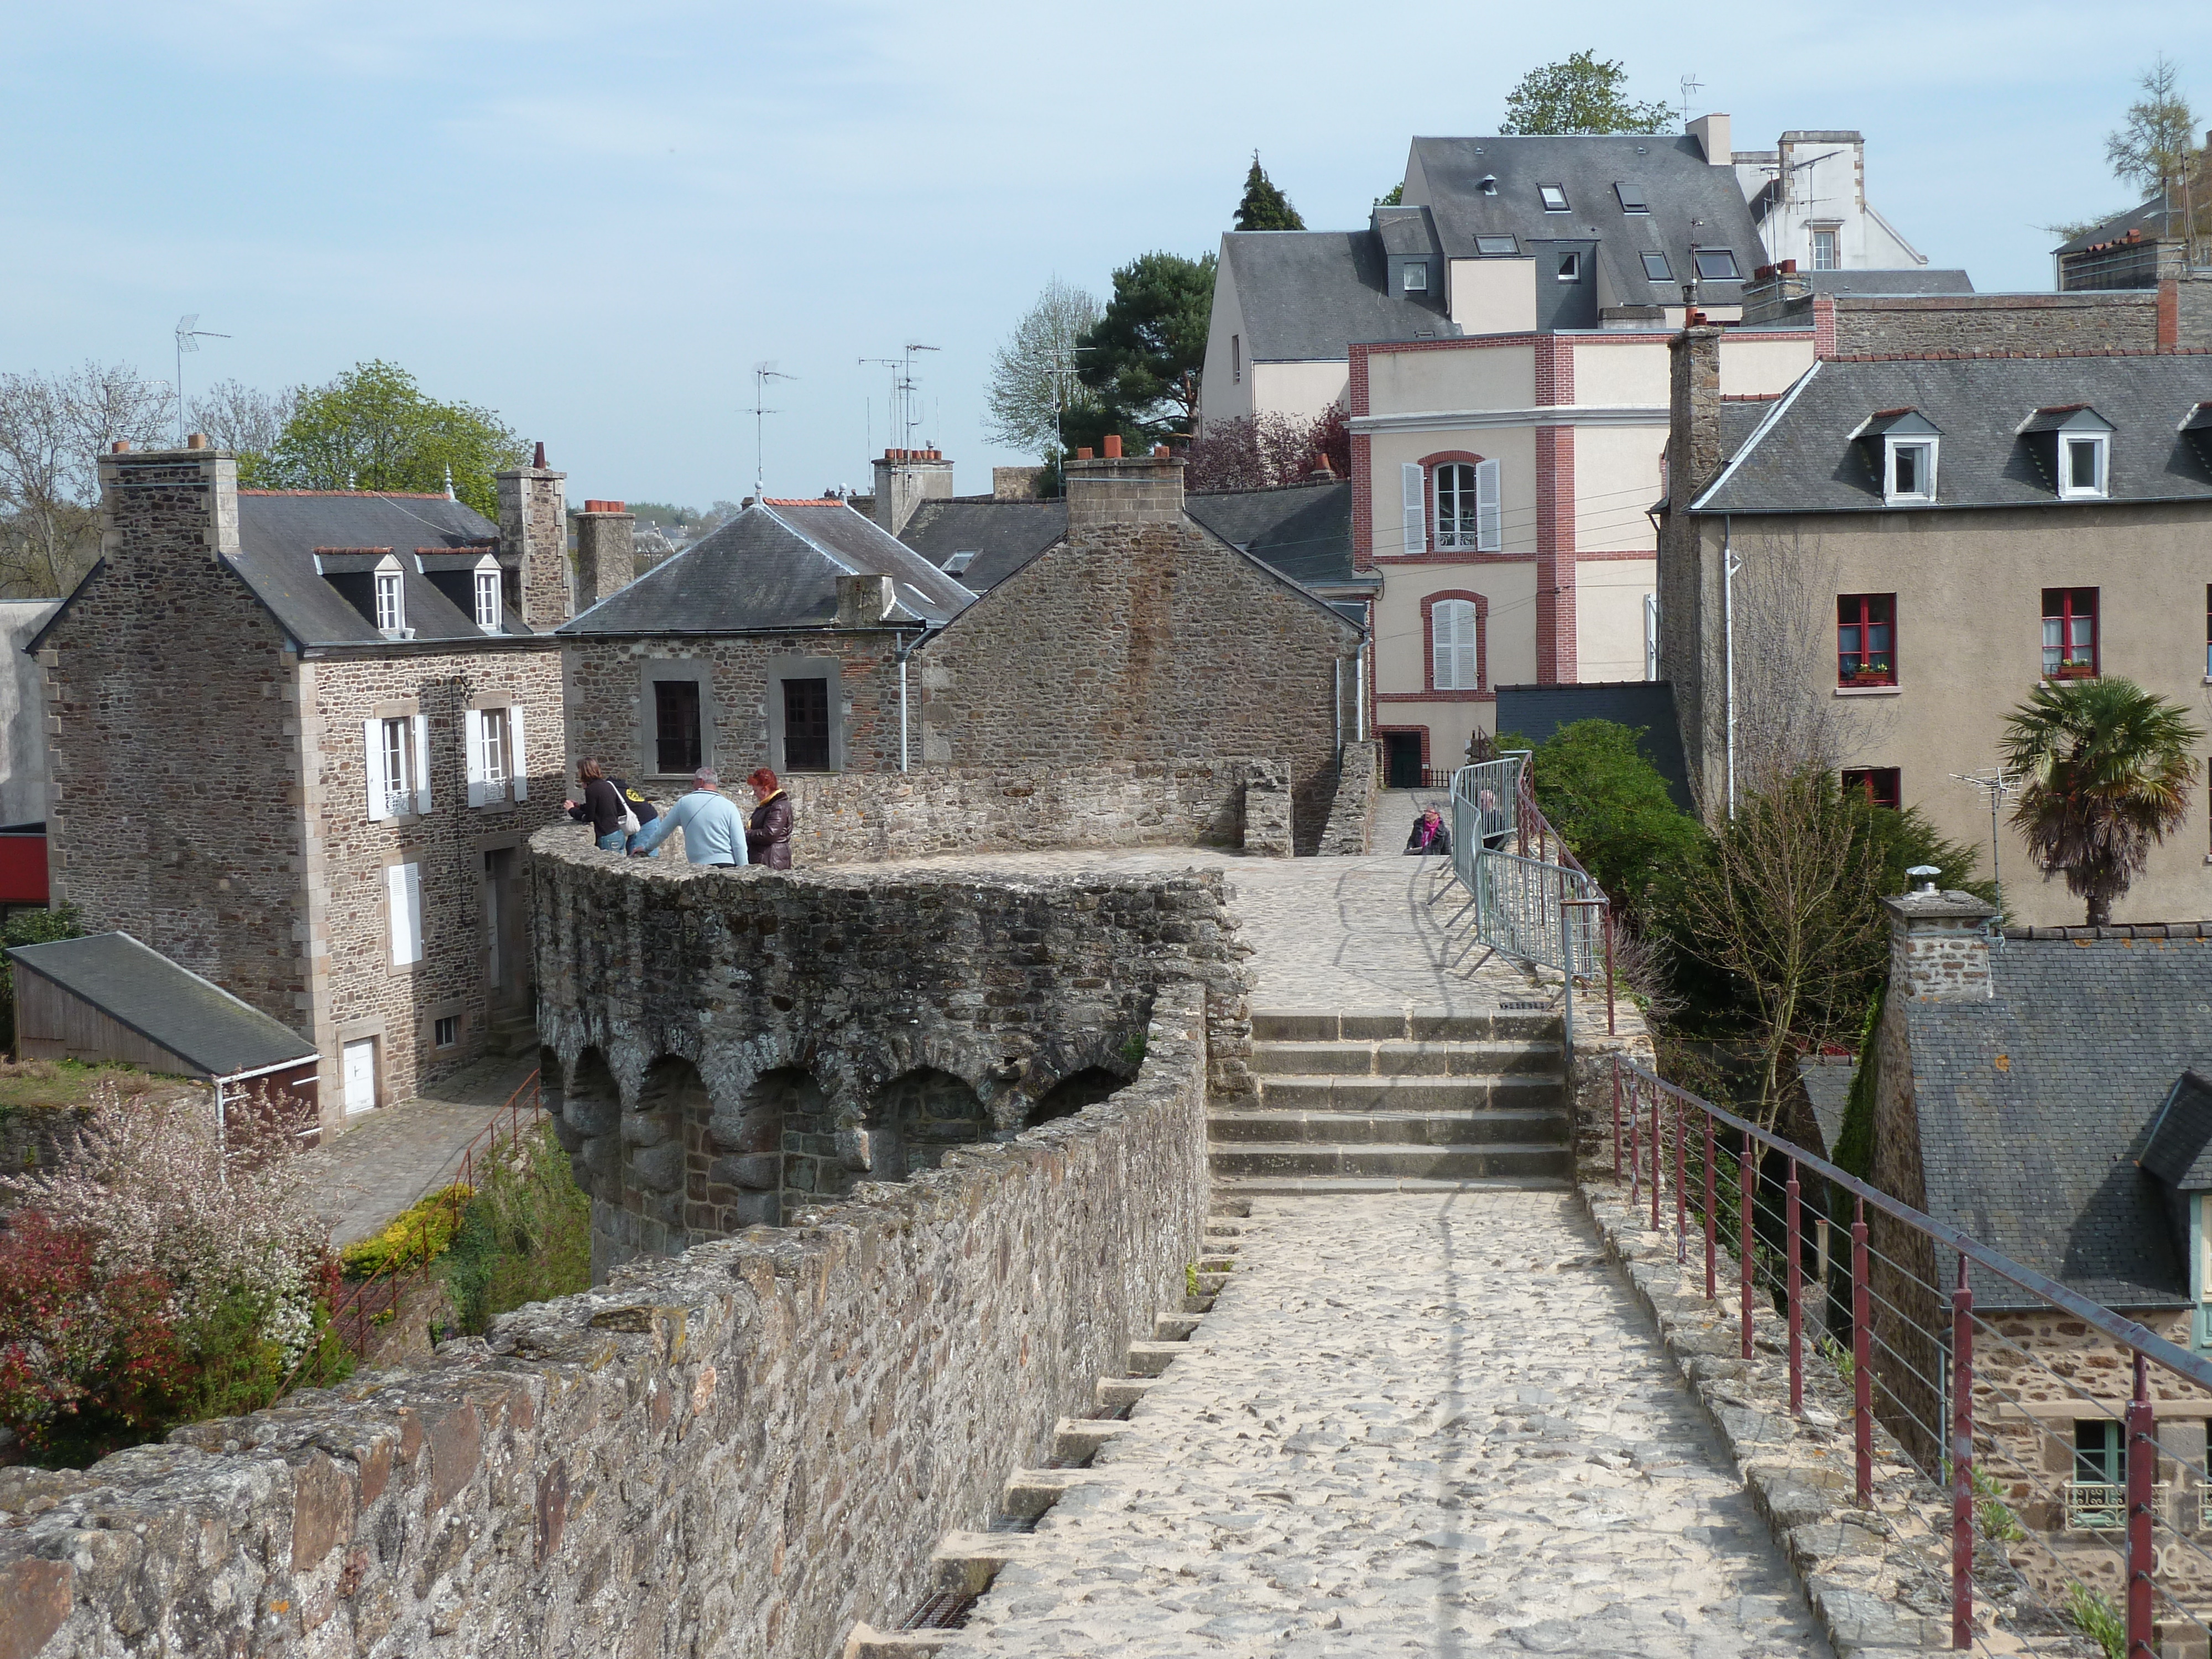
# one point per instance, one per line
(1489, 519)
(371, 746)
(1416, 486)
(402, 884)
(1452, 646)
(1466, 647)
(422, 764)
(472, 726)
(516, 768)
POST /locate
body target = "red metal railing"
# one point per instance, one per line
(1534, 830)
(1973, 1397)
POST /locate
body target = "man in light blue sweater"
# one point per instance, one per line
(714, 830)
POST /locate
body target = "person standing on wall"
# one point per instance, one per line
(768, 839)
(714, 830)
(617, 812)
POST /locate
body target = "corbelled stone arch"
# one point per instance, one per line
(586, 1106)
(917, 1117)
(665, 1156)
(1073, 1093)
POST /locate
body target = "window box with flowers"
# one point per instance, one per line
(1875, 673)
(2073, 669)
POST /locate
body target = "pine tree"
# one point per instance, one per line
(1264, 207)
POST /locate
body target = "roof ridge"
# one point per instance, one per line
(2024, 356)
(364, 494)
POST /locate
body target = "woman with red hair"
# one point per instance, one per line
(768, 840)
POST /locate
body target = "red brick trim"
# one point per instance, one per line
(1381, 732)
(1431, 462)
(1362, 501)
(1429, 643)
(1555, 370)
(1581, 558)
(1824, 325)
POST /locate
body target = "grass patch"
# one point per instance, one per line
(525, 1236)
(51, 1085)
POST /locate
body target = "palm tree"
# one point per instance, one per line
(2106, 768)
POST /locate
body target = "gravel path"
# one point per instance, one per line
(1431, 1425)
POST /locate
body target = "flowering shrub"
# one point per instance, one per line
(160, 1272)
(415, 1236)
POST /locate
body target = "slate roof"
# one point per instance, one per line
(1307, 294)
(1828, 1080)
(1535, 712)
(775, 565)
(193, 1019)
(279, 531)
(1004, 536)
(2150, 218)
(1691, 200)
(1908, 280)
(1806, 459)
(2035, 1105)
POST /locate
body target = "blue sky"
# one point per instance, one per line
(595, 219)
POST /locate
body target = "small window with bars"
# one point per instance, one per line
(1825, 254)
(675, 746)
(446, 1033)
(2070, 633)
(1866, 639)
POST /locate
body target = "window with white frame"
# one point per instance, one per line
(397, 751)
(1466, 506)
(1417, 277)
(1454, 645)
(1236, 358)
(1657, 268)
(1650, 637)
(390, 603)
(2081, 465)
(403, 891)
(1555, 198)
(1717, 265)
(1825, 254)
(1570, 267)
(497, 771)
(487, 601)
(1909, 469)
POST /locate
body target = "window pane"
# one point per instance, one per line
(1908, 469)
(1655, 267)
(1824, 251)
(1555, 198)
(495, 745)
(1455, 526)
(1632, 197)
(806, 726)
(1717, 265)
(1495, 245)
(2081, 465)
(676, 726)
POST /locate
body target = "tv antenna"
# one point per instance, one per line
(188, 335)
(908, 419)
(762, 373)
(1997, 785)
(1690, 86)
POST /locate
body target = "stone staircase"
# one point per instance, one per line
(1415, 1102)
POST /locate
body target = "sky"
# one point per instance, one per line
(596, 220)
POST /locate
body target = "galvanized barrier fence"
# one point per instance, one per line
(2103, 1519)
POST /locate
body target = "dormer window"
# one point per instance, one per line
(1631, 198)
(1417, 277)
(487, 596)
(390, 603)
(2083, 470)
(1555, 198)
(2072, 445)
(1912, 470)
(1905, 457)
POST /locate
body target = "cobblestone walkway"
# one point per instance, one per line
(1431, 1425)
(362, 1178)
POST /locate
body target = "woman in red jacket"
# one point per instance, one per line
(768, 840)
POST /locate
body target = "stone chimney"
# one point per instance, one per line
(1939, 946)
(169, 505)
(1118, 489)
(606, 551)
(1694, 440)
(533, 520)
(905, 478)
(864, 601)
(1711, 132)
(1015, 483)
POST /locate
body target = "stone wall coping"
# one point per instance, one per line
(2118, 930)
(1949, 906)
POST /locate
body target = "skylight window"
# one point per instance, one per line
(1555, 198)
(1495, 246)
(1717, 264)
(958, 563)
(1631, 198)
(1657, 268)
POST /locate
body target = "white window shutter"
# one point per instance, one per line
(371, 744)
(1489, 518)
(422, 764)
(1470, 665)
(473, 723)
(1443, 663)
(1416, 492)
(403, 885)
(517, 767)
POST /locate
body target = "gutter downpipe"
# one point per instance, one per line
(1729, 565)
(907, 648)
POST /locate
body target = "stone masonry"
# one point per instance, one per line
(741, 1453)
(533, 516)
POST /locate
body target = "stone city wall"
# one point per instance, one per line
(726, 1047)
(739, 1453)
(2038, 324)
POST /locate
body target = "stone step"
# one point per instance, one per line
(1488, 1058)
(1404, 1128)
(1464, 1162)
(1415, 1024)
(1250, 1187)
(1409, 1094)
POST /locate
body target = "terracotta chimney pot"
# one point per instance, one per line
(1113, 446)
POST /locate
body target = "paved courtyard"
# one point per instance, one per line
(1432, 1425)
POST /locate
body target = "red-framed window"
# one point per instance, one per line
(1456, 649)
(2070, 633)
(1879, 784)
(1866, 639)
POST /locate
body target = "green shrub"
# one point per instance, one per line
(525, 1237)
(422, 1232)
(1612, 806)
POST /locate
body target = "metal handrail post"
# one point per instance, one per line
(1744, 1179)
(1712, 1292)
(1793, 1227)
(1962, 1462)
(2142, 1454)
(1616, 1117)
(1861, 1358)
(1681, 1195)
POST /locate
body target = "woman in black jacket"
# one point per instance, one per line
(768, 838)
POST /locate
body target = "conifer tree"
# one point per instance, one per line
(1265, 207)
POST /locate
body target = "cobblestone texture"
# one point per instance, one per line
(1411, 1424)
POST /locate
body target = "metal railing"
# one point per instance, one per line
(1983, 1401)
(1532, 898)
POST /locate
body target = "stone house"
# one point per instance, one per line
(1917, 542)
(297, 742)
(2042, 1089)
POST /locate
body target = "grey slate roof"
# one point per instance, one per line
(1535, 712)
(191, 1017)
(2036, 1156)
(1808, 461)
(1308, 295)
(2150, 218)
(1004, 536)
(775, 565)
(1828, 1080)
(279, 531)
(2181, 1149)
(1904, 281)
(1691, 200)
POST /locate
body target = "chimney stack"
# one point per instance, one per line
(1118, 489)
(533, 522)
(606, 551)
(1711, 132)
(1939, 946)
(1693, 444)
(905, 478)
(164, 505)
(864, 601)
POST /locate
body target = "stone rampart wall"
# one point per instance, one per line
(739, 1453)
(1898, 325)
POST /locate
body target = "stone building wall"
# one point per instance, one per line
(1140, 641)
(357, 990)
(724, 1048)
(2042, 324)
(739, 1454)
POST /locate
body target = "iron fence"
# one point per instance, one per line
(2069, 1438)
